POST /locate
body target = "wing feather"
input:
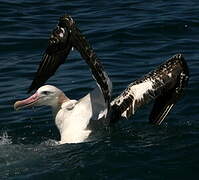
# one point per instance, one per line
(169, 78)
(59, 46)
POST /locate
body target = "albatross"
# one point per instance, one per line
(165, 85)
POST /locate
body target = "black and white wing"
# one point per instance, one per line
(62, 39)
(58, 48)
(165, 85)
(81, 44)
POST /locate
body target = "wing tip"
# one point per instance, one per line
(66, 20)
(33, 86)
(37, 82)
(158, 119)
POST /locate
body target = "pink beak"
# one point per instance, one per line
(26, 102)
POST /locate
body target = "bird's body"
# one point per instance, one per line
(72, 120)
(74, 116)
(165, 85)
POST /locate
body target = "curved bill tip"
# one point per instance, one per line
(17, 105)
(32, 100)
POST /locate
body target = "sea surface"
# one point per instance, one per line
(131, 38)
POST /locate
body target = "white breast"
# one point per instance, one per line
(74, 116)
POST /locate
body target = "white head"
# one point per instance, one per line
(46, 95)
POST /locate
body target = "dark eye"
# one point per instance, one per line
(46, 92)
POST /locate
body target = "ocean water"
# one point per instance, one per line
(131, 38)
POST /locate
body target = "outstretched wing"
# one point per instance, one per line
(59, 46)
(63, 38)
(88, 54)
(165, 85)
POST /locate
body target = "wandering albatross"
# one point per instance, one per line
(165, 85)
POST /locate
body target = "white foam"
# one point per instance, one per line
(4, 139)
(51, 142)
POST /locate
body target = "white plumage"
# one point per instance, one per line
(71, 116)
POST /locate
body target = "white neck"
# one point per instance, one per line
(72, 117)
(56, 106)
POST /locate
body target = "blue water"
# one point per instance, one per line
(131, 38)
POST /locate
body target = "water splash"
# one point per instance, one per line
(51, 142)
(5, 139)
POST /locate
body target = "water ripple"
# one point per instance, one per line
(130, 38)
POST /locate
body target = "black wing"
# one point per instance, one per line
(87, 53)
(58, 48)
(165, 85)
(63, 38)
